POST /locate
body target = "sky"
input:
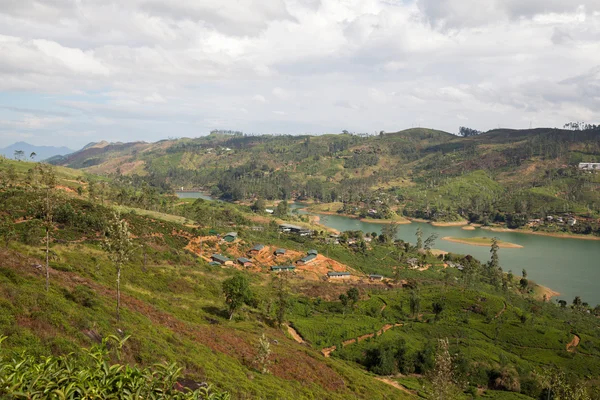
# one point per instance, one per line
(80, 71)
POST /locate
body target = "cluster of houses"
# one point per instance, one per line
(298, 230)
(571, 221)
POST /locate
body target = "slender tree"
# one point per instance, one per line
(419, 235)
(430, 241)
(282, 301)
(48, 181)
(119, 246)
(7, 229)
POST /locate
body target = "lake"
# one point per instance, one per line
(569, 266)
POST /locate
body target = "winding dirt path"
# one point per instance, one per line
(572, 346)
(396, 385)
(328, 350)
(501, 311)
(294, 334)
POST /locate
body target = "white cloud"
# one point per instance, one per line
(133, 69)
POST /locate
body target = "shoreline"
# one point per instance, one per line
(502, 245)
(438, 223)
(541, 290)
(402, 221)
(538, 233)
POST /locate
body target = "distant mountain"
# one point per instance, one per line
(41, 152)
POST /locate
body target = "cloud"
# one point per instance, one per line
(134, 70)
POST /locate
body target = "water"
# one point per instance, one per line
(193, 195)
(569, 266)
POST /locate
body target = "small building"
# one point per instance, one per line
(221, 259)
(571, 221)
(338, 275)
(413, 262)
(284, 268)
(589, 166)
(269, 210)
(256, 249)
(375, 277)
(230, 237)
(257, 228)
(312, 252)
(214, 264)
(244, 262)
(307, 260)
(280, 252)
(288, 228)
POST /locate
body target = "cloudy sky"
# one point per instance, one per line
(76, 71)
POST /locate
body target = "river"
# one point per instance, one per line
(569, 266)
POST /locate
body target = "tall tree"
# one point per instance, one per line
(419, 235)
(415, 302)
(48, 181)
(33, 155)
(19, 154)
(353, 295)
(119, 246)
(430, 241)
(237, 292)
(7, 229)
(443, 375)
(389, 232)
(282, 302)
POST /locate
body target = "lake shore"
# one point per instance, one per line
(540, 291)
(482, 242)
(439, 224)
(550, 234)
(399, 221)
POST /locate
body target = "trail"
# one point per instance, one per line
(572, 346)
(328, 350)
(501, 311)
(396, 385)
(294, 334)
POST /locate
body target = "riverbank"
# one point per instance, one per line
(482, 241)
(440, 223)
(398, 220)
(540, 233)
(540, 290)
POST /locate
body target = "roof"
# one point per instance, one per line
(289, 226)
(313, 252)
(280, 251)
(220, 258)
(334, 273)
(234, 234)
(309, 257)
(258, 247)
(282, 267)
(214, 263)
(244, 260)
(375, 276)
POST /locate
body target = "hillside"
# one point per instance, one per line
(506, 177)
(381, 336)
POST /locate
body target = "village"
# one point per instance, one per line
(230, 251)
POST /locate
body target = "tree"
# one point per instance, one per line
(282, 209)
(442, 376)
(524, 273)
(237, 292)
(117, 243)
(353, 295)
(524, 283)
(263, 355)
(258, 206)
(467, 132)
(282, 303)
(389, 232)
(7, 229)
(419, 235)
(19, 154)
(48, 180)
(344, 300)
(415, 302)
(494, 270)
(438, 307)
(577, 303)
(430, 241)
(33, 155)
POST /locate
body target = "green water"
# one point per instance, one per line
(569, 266)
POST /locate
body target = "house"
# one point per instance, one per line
(280, 252)
(257, 228)
(372, 211)
(374, 277)
(571, 221)
(455, 265)
(214, 264)
(244, 262)
(589, 166)
(307, 260)
(269, 210)
(222, 260)
(413, 262)
(257, 249)
(285, 268)
(288, 228)
(338, 275)
(312, 252)
(230, 237)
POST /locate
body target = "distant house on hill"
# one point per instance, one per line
(230, 237)
(280, 252)
(285, 268)
(338, 275)
(257, 249)
(374, 277)
(413, 262)
(244, 262)
(288, 228)
(307, 260)
(222, 260)
(312, 252)
(589, 166)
